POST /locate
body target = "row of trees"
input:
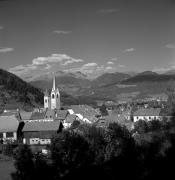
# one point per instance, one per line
(90, 152)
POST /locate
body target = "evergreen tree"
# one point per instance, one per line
(23, 163)
(103, 110)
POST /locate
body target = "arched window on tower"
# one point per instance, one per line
(57, 96)
(53, 96)
(46, 101)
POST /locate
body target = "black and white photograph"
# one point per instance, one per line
(87, 89)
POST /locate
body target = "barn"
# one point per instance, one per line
(40, 132)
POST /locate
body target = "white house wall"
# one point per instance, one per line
(146, 118)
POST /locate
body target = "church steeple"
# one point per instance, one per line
(54, 86)
(55, 96)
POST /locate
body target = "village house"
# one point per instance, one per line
(8, 128)
(40, 133)
(69, 120)
(85, 113)
(121, 119)
(147, 114)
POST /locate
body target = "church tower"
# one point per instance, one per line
(55, 97)
(46, 100)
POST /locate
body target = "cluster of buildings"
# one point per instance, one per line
(39, 126)
(128, 115)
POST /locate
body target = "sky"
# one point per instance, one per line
(90, 36)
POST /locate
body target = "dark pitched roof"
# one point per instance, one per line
(41, 126)
(148, 112)
(25, 115)
(49, 114)
(8, 123)
(37, 115)
(56, 114)
(61, 114)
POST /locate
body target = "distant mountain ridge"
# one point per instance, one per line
(112, 86)
(75, 88)
(149, 76)
(49, 76)
(109, 79)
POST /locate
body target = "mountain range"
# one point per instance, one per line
(112, 86)
(75, 88)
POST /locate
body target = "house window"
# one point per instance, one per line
(9, 134)
(53, 96)
(46, 101)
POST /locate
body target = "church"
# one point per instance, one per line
(52, 101)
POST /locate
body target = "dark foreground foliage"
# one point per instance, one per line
(95, 153)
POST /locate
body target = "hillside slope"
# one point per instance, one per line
(16, 93)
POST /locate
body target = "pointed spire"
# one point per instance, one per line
(54, 86)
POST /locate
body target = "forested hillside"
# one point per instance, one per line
(16, 93)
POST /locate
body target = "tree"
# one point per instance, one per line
(170, 107)
(96, 137)
(23, 163)
(154, 125)
(69, 152)
(103, 110)
(141, 126)
(121, 156)
(75, 124)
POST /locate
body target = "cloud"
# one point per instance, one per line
(63, 59)
(108, 68)
(1, 27)
(107, 11)
(170, 46)
(44, 64)
(90, 64)
(129, 50)
(161, 70)
(61, 32)
(5, 50)
(110, 62)
(71, 61)
(47, 64)
(92, 70)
